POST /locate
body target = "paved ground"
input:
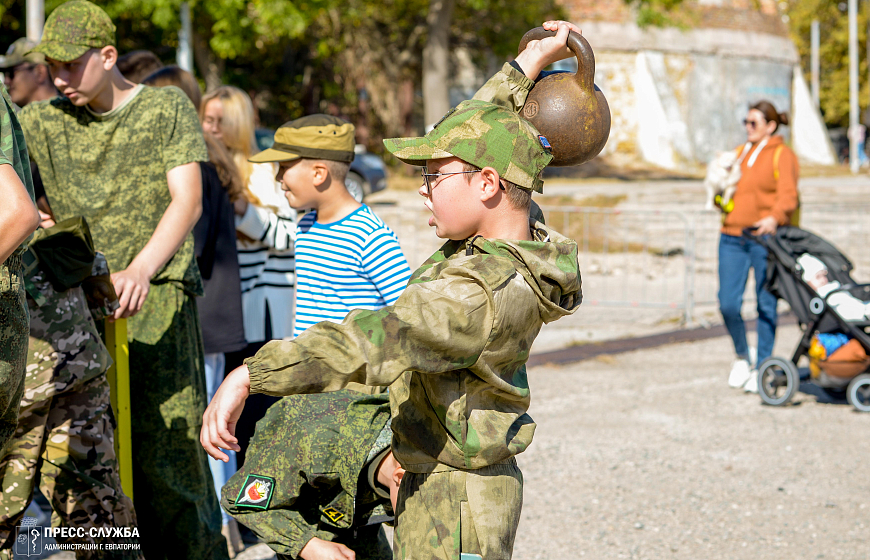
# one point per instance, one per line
(650, 455)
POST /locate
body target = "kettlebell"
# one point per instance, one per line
(569, 109)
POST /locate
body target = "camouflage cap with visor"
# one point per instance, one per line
(484, 135)
(20, 52)
(312, 137)
(74, 28)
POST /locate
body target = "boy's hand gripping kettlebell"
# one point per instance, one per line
(569, 109)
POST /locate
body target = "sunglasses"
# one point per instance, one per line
(9, 73)
(751, 124)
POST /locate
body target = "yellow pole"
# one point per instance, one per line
(119, 381)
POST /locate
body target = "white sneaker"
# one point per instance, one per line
(751, 385)
(740, 373)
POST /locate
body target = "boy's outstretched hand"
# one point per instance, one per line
(540, 54)
(220, 418)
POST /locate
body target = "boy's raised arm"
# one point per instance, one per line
(510, 86)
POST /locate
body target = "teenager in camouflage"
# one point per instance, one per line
(323, 487)
(455, 344)
(64, 440)
(18, 219)
(126, 158)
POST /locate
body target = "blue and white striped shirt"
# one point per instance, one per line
(354, 263)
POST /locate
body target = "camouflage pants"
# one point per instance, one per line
(444, 514)
(178, 511)
(64, 437)
(66, 443)
(13, 345)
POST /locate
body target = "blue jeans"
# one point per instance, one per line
(220, 471)
(736, 256)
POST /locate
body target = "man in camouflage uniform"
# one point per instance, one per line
(316, 487)
(126, 158)
(65, 436)
(18, 219)
(453, 347)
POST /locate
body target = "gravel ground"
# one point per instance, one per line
(650, 454)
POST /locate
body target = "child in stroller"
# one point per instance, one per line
(813, 277)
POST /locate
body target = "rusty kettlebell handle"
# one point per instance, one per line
(585, 75)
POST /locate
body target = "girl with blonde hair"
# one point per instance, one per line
(264, 220)
(266, 229)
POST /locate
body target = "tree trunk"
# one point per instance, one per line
(210, 67)
(436, 59)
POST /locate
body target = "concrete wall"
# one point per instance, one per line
(679, 97)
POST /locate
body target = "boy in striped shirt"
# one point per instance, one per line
(346, 257)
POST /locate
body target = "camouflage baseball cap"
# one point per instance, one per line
(485, 135)
(315, 137)
(19, 53)
(74, 28)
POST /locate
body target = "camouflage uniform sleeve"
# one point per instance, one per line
(508, 87)
(182, 136)
(434, 327)
(7, 137)
(285, 530)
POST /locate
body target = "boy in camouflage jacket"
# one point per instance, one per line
(457, 340)
(320, 486)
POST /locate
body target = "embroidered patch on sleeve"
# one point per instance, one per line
(333, 514)
(256, 492)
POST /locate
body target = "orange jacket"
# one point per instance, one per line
(759, 193)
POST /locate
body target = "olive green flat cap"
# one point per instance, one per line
(74, 28)
(313, 137)
(19, 53)
(485, 135)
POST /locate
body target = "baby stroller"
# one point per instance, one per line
(778, 378)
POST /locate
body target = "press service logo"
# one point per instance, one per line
(28, 541)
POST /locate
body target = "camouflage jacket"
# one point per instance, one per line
(455, 343)
(303, 473)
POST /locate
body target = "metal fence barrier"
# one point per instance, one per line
(650, 258)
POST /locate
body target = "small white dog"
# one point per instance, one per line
(723, 173)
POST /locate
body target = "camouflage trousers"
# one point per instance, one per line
(444, 514)
(13, 344)
(64, 438)
(178, 511)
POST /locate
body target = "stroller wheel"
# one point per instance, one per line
(858, 393)
(778, 381)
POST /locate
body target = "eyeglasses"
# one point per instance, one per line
(751, 124)
(427, 178)
(9, 73)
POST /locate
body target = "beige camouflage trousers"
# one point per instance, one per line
(64, 438)
(444, 514)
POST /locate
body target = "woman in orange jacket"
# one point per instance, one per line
(766, 198)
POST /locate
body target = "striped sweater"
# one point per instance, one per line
(353, 263)
(267, 264)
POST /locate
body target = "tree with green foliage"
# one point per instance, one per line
(833, 53)
(362, 59)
